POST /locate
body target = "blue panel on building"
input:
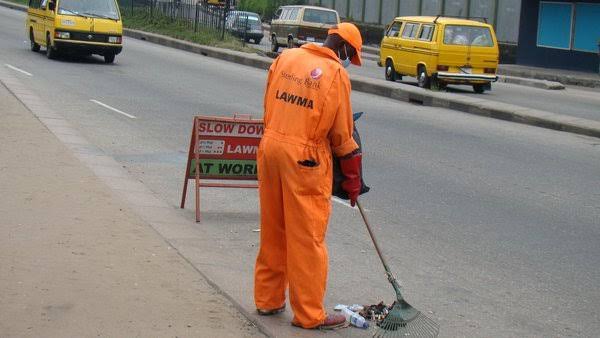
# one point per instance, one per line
(559, 34)
(554, 25)
(587, 27)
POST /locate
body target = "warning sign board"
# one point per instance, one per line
(222, 149)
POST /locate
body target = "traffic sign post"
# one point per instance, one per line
(222, 148)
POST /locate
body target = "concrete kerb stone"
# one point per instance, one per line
(369, 56)
(380, 87)
(543, 84)
(219, 53)
(563, 79)
(13, 5)
(370, 49)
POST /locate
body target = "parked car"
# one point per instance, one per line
(296, 25)
(74, 26)
(246, 25)
(439, 51)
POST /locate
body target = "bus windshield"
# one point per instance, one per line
(106, 9)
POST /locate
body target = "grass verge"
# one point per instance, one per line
(21, 2)
(180, 29)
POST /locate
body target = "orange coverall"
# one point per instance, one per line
(308, 114)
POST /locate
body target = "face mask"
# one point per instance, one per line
(346, 61)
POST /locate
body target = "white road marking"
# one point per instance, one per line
(342, 202)
(18, 69)
(113, 109)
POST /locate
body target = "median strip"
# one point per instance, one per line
(401, 92)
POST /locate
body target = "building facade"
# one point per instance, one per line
(560, 34)
(502, 14)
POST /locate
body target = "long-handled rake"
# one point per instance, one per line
(402, 319)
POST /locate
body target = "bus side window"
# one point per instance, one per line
(394, 29)
(410, 30)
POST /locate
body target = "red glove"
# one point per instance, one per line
(350, 165)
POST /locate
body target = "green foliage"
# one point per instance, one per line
(266, 8)
(22, 2)
(160, 24)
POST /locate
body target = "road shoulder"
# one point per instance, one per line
(75, 261)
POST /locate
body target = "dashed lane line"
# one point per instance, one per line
(113, 109)
(18, 69)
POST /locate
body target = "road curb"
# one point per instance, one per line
(13, 5)
(370, 49)
(247, 59)
(396, 91)
(369, 56)
(542, 84)
(564, 79)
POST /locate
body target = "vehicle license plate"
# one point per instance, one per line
(310, 38)
(466, 70)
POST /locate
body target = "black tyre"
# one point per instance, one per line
(257, 41)
(51, 53)
(109, 58)
(422, 78)
(478, 88)
(390, 72)
(34, 46)
(274, 45)
(434, 84)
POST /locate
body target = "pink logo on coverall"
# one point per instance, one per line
(316, 73)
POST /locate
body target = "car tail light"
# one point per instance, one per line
(443, 68)
(489, 70)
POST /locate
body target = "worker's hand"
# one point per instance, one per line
(350, 165)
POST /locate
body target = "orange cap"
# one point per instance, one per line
(350, 33)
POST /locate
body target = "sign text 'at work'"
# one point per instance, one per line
(218, 128)
(227, 168)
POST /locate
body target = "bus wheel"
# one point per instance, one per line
(51, 53)
(424, 81)
(390, 72)
(478, 88)
(34, 46)
(109, 58)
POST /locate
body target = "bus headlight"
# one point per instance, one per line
(114, 39)
(62, 35)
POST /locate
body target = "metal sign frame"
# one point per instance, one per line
(222, 148)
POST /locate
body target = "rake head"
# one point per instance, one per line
(403, 320)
